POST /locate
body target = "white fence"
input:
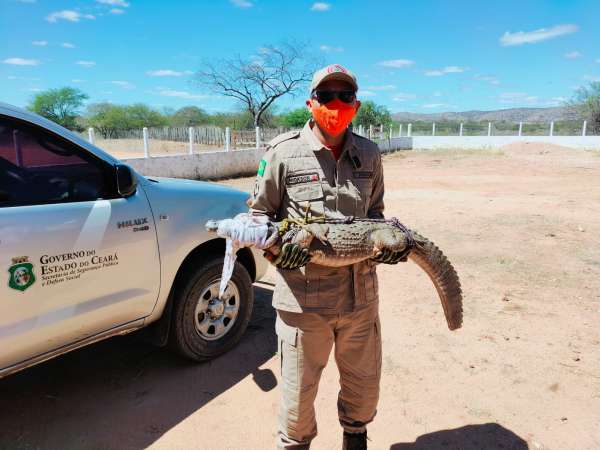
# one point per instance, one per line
(180, 140)
(564, 128)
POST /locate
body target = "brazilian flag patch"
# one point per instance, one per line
(261, 167)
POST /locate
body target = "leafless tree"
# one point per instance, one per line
(259, 80)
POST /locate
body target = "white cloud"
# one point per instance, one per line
(13, 77)
(22, 62)
(320, 6)
(68, 15)
(124, 84)
(437, 94)
(383, 87)
(488, 78)
(40, 43)
(34, 89)
(591, 78)
(87, 64)
(67, 45)
(517, 97)
(402, 97)
(533, 37)
(76, 80)
(598, 61)
(557, 101)
(396, 63)
(366, 93)
(445, 70)
(573, 55)
(435, 105)
(167, 73)
(242, 3)
(180, 94)
(328, 49)
(121, 3)
(117, 11)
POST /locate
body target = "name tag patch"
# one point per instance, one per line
(303, 178)
(362, 174)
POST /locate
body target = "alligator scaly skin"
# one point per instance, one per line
(337, 245)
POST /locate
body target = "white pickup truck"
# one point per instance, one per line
(91, 249)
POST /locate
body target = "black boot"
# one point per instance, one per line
(355, 441)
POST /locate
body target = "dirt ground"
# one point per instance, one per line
(522, 228)
(134, 148)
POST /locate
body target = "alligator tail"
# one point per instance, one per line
(445, 279)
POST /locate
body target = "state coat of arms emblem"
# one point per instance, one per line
(21, 274)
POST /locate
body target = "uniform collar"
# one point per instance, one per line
(316, 145)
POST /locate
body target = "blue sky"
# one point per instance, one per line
(420, 56)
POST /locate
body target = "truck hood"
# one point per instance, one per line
(193, 201)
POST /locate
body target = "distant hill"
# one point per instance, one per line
(527, 115)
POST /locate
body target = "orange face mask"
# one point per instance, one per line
(334, 116)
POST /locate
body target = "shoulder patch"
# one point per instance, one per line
(282, 138)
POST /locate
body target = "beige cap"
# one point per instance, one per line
(333, 72)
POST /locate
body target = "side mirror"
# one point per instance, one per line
(126, 180)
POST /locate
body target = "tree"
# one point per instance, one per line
(587, 102)
(257, 82)
(295, 118)
(109, 119)
(59, 105)
(140, 116)
(189, 116)
(371, 113)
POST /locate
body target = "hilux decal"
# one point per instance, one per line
(140, 224)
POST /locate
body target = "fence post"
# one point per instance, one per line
(409, 130)
(257, 137)
(489, 128)
(370, 131)
(191, 136)
(584, 128)
(391, 128)
(227, 138)
(552, 128)
(145, 136)
(460, 131)
(433, 129)
(91, 135)
(400, 131)
(520, 128)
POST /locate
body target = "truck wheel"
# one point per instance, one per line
(204, 326)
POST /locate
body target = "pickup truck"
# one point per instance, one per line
(90, 249)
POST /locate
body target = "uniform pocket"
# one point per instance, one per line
(305, 192)
(323, 289)
(287, 337)
(368, 274)
(364, 186)
(285, 332)
(307, 195)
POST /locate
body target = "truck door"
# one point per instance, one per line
(76, 259)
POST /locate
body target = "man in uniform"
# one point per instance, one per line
(325, 170)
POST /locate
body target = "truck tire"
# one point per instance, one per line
(204, 327)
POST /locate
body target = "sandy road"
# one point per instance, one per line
(521, 226)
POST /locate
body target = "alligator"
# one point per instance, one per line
(346, 241)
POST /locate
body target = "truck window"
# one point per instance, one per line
(37, 167)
